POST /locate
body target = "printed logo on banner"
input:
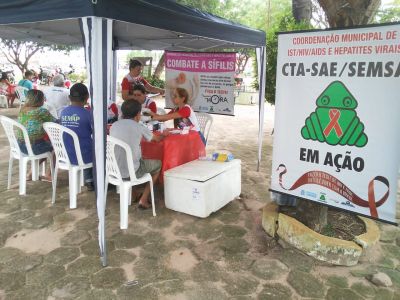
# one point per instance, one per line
(335, 119)
(308, 194)
(215, 99)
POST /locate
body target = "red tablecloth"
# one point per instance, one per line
(174, 150)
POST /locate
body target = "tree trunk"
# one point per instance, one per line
(344, 13)
(160, 66)
(309, 213)
(302, 10)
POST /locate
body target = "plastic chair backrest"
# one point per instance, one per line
(9, 127)
(205, 122)
(112, 168)
(20, 91)
(56, 134)
(161, 111)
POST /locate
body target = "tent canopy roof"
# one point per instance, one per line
(138, 24)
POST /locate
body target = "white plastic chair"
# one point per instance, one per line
(113, 176)
(205, 122)
(10, 126)
(161, 111)
(3, 101)
(75, 172)
(20, 92)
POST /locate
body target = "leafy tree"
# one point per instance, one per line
(19, 53)
(391, 13)
(283, 21)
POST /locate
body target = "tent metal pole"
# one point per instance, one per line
(261, 56)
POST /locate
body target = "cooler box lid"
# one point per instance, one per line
(201, 170)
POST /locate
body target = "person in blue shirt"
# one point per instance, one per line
(27, 81)
(78, 119)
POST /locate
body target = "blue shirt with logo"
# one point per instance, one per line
(79, 120)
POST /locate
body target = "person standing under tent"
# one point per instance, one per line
(134, 78)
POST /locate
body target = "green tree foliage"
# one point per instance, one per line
(251, 13)
(284, 22)
(390, 13)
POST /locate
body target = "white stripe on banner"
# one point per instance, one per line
(97, 40)
(261, 66)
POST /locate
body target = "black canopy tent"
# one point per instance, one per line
(103, 26)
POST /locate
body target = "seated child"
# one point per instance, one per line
(182, 114)
(139, 94)
(130, 131)
(79, 119)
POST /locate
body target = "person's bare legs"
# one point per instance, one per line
(10, 100)
(137, 192)
(47, 176)
(146, 192)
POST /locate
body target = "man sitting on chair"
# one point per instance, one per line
(58, 95)
(78, 119)
(130, 131)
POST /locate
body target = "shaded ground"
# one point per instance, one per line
(51, 252)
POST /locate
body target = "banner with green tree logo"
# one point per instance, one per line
(337, 124)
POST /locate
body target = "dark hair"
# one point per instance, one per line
(34, 98)
(28, 73)
(139, 87)
(78, 92)
(130, 109)
(183, 94)
(4, 76)
(133, 63)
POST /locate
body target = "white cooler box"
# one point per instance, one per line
(199, 188)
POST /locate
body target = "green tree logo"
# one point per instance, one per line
(335, 120)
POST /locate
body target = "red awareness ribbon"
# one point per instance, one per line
(331, 182)
(334, 115)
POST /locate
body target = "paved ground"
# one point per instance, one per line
(51, 252)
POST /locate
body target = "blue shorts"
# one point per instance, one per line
(37, 148)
